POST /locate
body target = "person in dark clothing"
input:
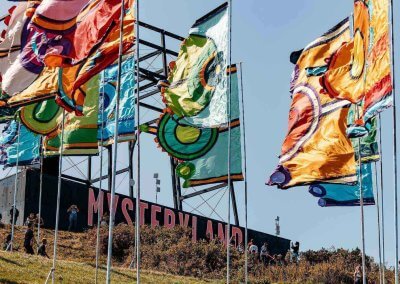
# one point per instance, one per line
(73, 211)
(295, 252)
(42, 248)
(29, 239)
(358, 275)
(12, 214)
(7, 241)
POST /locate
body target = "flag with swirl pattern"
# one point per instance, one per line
(316, 148)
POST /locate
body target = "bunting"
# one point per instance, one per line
(316, 148)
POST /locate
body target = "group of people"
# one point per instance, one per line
(32, 221)
(267, 258)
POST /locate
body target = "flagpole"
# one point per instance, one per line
(378, 222)
(362, 214)
(60, 162)
(396, 220)
(100, 196)
(15, 188)
(246, 276)
(228, 229)
(112, 209)
(40, 189)
(137, 193)
(382, 199)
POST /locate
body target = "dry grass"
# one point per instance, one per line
(171, 251)
(21, 268)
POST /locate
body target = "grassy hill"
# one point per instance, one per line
(21, 268)
(169, 256)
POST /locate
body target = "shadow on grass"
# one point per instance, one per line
(103, 268)
(10, 262)
(5, 281)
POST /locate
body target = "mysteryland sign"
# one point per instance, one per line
(158, 215)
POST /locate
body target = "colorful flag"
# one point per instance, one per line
(346, 195)
(203, 152)
(27, 151)
(108, 92)
(52, 65)
(316, 148)
(367, 134)
(80, 132)
(197, 87)
(360, 71)
(10, 46)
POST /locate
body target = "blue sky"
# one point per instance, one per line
(264, 34)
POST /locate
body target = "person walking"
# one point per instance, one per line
(29, 239)
(73, 211)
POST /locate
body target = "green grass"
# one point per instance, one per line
(21, 268)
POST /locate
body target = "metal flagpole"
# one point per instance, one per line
(137, 193)
(228, 227)
(15, 189)
(52, 271)
(112, 209)
(101, 194)
(246, 276)
(360, 178)
(362, 212)
(379, 223)
(382, 200)
(396, 220)
(40, 189)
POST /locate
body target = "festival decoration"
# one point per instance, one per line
(360, 70)
(108, 95)
(26, 149)
(51, 64)
(196, 89)
(316, 148)
(80, 132)
(346, 195)
(202, 151)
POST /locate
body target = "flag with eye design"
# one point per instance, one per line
(316, 148)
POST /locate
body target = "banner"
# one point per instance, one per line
(26, 151)
(346, 195)
(360, 71)
(108, 96)
(197, 87)
(316, 148)
(80, 132)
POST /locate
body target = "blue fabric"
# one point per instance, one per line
(28, 150)
(108, 85)
(346, 195)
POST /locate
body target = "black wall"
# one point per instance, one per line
(76, 193)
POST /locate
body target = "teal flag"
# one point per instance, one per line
(346, 195)
(28, 150)
(108, 92)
